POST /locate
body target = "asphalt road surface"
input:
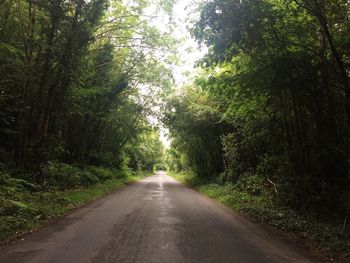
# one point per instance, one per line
(154, 220)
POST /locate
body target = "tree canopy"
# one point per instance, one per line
(80, 82)
(71, 75)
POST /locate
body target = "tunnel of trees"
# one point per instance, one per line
(82, 80)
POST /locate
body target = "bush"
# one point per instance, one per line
(102, 174)
(252, 184)
(65, 176)
(62, 176)
(87, 178)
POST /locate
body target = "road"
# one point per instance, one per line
(154, 220)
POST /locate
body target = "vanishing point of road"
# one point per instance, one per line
(154, 220)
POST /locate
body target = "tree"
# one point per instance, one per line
(277, 73)
(71, 74)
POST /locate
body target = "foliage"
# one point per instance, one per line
(70, 88)
(271, 101)
(192, 123)
(63, 176)
(145, 152)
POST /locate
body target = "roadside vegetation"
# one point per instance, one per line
(265, 121)
(324, 238)
(26, 205)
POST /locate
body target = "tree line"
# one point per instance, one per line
(271, 101)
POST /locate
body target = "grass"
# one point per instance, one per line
(26, 210)
(323, 238)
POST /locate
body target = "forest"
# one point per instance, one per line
(77, 82)
(266, 111)
(266, 118)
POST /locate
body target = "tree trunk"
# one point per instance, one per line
(24, 140)
(41, 126)
(62, 78)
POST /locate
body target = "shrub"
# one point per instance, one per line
(60, 175)
(102, 174)
(87, 178)
(65, 176)
(252, 184)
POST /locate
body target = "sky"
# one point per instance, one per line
(188, 50)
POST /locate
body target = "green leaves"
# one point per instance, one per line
(194, 124)
(273, 98)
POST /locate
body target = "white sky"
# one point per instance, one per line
(188, 50)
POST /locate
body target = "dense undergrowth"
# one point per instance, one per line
(324, 236)
(25, 204)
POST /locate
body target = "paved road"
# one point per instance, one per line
(155, 220)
